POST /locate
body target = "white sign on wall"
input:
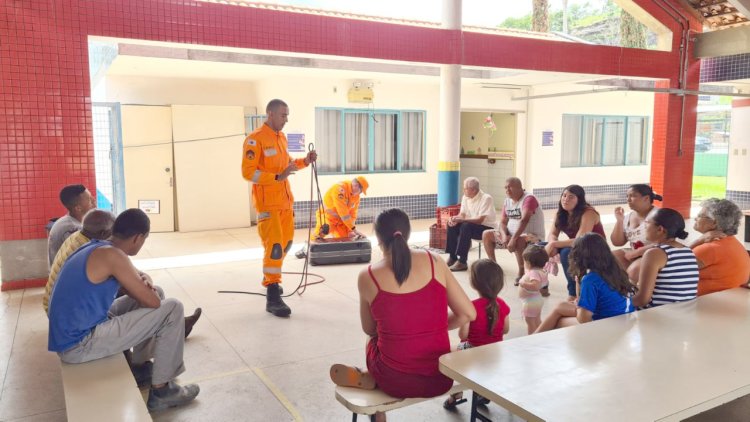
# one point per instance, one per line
(149, 206)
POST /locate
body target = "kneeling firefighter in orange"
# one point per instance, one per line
(340, 205)
(266, 163)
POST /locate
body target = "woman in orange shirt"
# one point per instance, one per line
(723, 261)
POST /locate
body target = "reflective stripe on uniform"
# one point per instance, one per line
(264, 215)
(256, 176)
(271, 270)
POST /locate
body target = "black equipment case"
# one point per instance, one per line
(340, 251)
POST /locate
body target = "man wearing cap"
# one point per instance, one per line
(341, 204)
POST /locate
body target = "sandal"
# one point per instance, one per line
(350, 376)
(453, 400)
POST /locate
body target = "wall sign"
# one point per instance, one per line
(547, 138)
(296, 142)
(149, 206)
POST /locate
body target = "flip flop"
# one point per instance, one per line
(350, 376)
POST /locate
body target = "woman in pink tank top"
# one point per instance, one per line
(404, 302)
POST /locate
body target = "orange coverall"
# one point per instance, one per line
(264, 156)
(341, 208)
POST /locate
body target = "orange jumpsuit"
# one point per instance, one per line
(264, 156)
(341, 208)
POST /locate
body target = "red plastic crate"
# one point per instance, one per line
(445, 213)
(438, 236)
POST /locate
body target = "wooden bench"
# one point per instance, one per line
(103, 389)
(369, 402)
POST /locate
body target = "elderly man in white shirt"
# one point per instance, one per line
(477, 214)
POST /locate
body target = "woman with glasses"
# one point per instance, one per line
(723, 261)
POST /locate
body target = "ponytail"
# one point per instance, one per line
(493, 312)
(400, 258)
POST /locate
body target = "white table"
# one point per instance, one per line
(661, 364)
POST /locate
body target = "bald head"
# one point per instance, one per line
(515, 181)
(97, 224)
(513, 188)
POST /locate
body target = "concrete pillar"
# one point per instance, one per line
(450, 109)
(738, 171)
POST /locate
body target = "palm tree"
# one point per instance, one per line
(540, 16)
(632, 32)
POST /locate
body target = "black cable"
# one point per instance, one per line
(302, 286)
(322, 279)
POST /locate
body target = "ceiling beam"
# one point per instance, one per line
(726, 42)
(742, 6)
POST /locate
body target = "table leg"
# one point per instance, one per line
(474, 411)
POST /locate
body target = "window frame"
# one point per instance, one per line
(400, 139)
(603, 145)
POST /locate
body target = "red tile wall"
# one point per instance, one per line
(45, 117)
(673, 149)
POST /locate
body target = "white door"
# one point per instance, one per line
(211, 193)
(148, 163)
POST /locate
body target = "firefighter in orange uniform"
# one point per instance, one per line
(266, 163)
(341, 204)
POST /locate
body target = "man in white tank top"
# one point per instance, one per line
(521, 223)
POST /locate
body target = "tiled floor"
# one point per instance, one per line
(250, 365)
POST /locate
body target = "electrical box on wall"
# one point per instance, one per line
(361, 95)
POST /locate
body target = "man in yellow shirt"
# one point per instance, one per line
(340, 208)
(97, 224)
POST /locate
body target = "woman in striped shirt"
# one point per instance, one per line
(669, 272)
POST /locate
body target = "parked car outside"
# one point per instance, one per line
(702, 144)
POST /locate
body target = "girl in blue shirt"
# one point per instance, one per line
(604, 289)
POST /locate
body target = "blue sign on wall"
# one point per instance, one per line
(296, 142)
(547, 138)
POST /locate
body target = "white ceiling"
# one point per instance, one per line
(161, 67)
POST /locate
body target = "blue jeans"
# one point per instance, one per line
(564, 253)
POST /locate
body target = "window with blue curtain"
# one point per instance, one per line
(590, 141)
(369, 141)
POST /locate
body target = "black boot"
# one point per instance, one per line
(274, 303)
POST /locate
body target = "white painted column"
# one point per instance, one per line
(450, 112)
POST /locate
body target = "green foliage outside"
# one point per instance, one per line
(705, 187)
(578, 15)
(598, 23)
